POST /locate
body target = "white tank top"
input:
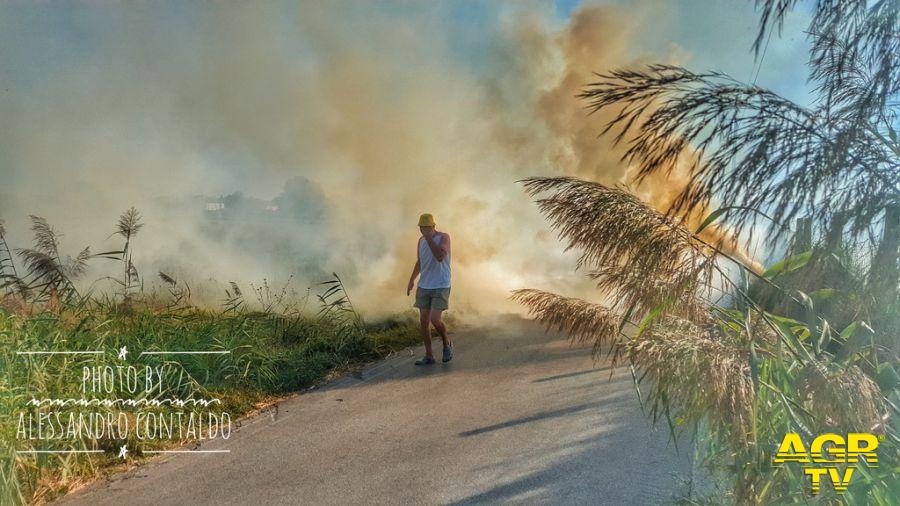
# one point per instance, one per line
(433, 274)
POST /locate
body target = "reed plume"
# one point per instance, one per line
(842, 399)
(771, 157)
(45, 271)
(10, 282)
(128, 226)
(181, 293)
(583, 321)
(129, 223)
(169, 280)
(697, 370)
(636, 253)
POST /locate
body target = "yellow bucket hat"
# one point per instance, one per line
(426, 220)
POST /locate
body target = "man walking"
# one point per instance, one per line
(433, 293)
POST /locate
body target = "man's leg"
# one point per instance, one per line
(439, 326)
(425, 324)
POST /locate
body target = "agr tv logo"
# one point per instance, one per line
(825, 453)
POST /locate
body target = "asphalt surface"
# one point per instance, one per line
(518, 416)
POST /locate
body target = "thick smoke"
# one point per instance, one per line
(336, 123)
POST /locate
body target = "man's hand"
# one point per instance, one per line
(439, 252)
(409, 287)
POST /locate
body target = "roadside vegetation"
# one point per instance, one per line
(737, 355)
(276, 343)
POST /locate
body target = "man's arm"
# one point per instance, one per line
(441, 251)
(412, 277)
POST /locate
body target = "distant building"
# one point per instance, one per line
(271, 209)
(215, 206)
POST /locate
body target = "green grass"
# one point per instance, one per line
(270, 355)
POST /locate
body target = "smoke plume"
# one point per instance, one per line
(338, 124)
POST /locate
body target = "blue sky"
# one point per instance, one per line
(42, 41)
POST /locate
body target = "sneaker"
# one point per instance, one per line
(448, 354)
(425, 361)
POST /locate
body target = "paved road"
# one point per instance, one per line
(518, 416)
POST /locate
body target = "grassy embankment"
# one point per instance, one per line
(270, 355)
(256, 352)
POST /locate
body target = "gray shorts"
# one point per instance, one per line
(432, 298)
